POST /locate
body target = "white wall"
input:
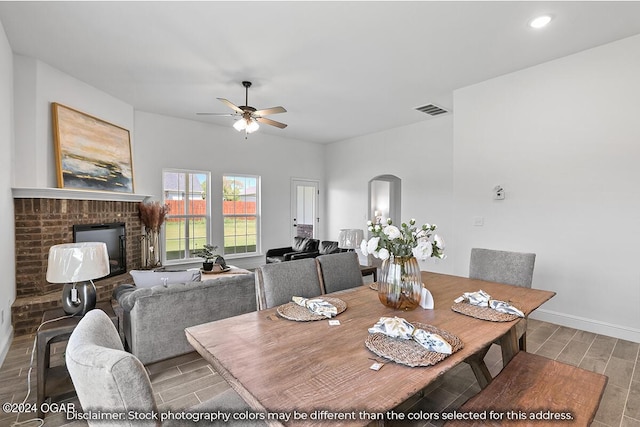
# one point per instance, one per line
(420, 155)
(7, 251)
(160, 142)
(562, 138)
(167, 142)
(37, 85)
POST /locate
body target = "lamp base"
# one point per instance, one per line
(78, 298)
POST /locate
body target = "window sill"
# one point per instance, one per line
(241, 256)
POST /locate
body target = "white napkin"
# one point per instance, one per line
(505, 307)
(480, 298)
(317, 306)
(483, 299)
(397, 327)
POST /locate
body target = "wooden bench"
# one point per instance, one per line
(535, 390)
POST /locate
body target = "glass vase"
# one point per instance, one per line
(400, 283)
(152, 249)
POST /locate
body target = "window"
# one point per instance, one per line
(240, 210)
(187, 223)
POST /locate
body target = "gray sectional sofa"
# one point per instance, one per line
(154, 318)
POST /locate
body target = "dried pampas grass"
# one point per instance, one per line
(152, 215)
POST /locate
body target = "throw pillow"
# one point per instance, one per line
(328, 247)
(300, 244)
(149, 278)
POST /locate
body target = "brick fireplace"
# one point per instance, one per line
(44, 218)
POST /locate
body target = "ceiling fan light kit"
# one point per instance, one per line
(249, 116)
(246, 124)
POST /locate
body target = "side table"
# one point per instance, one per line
(368, 270)
(53, 382)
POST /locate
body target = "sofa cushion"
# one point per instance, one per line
(148, 278)
(302, 244)
(328, 247)
(275, 258)
(154, 318)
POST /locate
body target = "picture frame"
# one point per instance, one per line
(91, 154)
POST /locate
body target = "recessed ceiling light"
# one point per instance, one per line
(540, 21)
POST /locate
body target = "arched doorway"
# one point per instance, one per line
(385, 194)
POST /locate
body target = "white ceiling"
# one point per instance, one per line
(341, 69)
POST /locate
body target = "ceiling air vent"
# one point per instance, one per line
(432, 110)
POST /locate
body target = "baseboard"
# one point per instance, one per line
(5, 343)
(589, 325)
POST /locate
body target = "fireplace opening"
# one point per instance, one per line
(113, 235)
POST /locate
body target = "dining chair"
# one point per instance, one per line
(339, 271)
(277, 283)
(511, 268)
(107, 378)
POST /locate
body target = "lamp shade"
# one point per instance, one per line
(252, 126)
(247, 124)
(240, 125)
(77, 262)
(350, 238)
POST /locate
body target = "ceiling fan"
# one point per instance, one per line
(249, 116)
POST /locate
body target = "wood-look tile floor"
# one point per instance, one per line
(184, 381)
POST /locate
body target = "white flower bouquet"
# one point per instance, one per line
(404, 241)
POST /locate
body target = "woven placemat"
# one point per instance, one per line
(409, 352)
(484, 313)
(293, 311)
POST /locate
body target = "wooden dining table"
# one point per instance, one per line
(316, 373)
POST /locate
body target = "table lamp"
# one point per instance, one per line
(350, 238)
(76, 265)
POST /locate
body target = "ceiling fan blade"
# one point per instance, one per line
(231, 105)
(215, 114)
(272, 110)
(271, 122)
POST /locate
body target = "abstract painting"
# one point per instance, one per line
(91, 154)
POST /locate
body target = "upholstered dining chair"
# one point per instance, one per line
(277, 283)
(339, 271)
(511, 268)
(107, 378)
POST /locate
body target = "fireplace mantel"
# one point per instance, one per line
(69, 194)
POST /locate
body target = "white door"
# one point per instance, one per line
(304, 208)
